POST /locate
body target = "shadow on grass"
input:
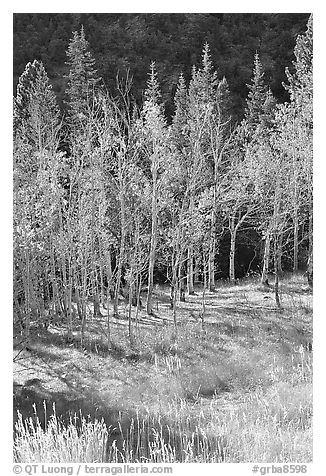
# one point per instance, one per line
(139, 431)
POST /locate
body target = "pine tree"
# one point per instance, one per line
(300, 81)
(223, 101)
(257, 95)
(268, 111)
(179, 122)
(204, 81)
(83, 78)
(205, 112)
(36, 113)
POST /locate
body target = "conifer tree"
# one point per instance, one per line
(179, 122)
(208, 120)
(256, 96)
(202, 94)
(36, 113)
(83, 78)
(300, 81)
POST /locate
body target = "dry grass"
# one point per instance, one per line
(239, 391)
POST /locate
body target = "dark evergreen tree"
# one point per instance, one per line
(257, 95)
(179, 122)
(83, 77)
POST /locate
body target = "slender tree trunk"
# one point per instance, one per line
(26, 284)
(55, 297)
(138, 298)
(77, 293)
(149, 303)
(310, 232)
(276, 270)
(295, 240)
(174, 295)
(182, 280)
(79, 306)
(108, 326)
(102, 292)
(69, 302)
(310, 253)
(174, 288)
(277, 240)
(122, 242)
(203, 312)
(190, 258)
(84, 302)
(129, 308)
(233, 234)
(211, 258)
(196, 272)
(190, 270)
(108, 297)
(280, 267)
(310, 269)
(264, 276)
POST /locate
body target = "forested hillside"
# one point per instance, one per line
(163, 237)
(122, 42)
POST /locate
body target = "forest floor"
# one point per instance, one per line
(245, 374)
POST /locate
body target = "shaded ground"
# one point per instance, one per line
(246, 345)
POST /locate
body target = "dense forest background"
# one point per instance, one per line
(122, 42)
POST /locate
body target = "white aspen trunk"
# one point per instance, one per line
(295, 240)
(108, 297)
(233, 232)
(182, 280)
(55, 309)
(129, 308)
(211, 257)
(190, 270)
(310, 231)
(79, 306)
(264, 276)
(108, 324)
(149, 302)
(138, 299)
(203, 312)
(277, 242)
(102, 292)
(69, 302)
(77, 293)
(26, 283)
(83, 299)
(122, 243)
(310, 269)
(310, 255)
(276, 271)
(280, 268)
(296, 199)
(174, 295)
(232, 257)
(190, 256)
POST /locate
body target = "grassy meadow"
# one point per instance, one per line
(236, 387)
